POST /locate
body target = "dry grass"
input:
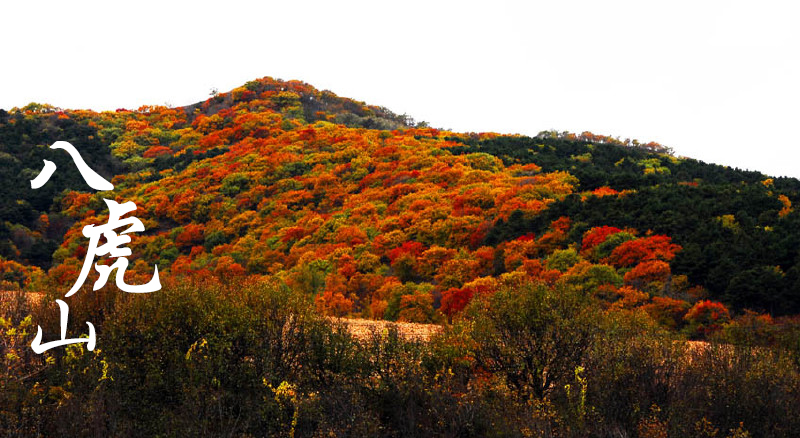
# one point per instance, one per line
(16, 299)
(365, 328)
(361, 329)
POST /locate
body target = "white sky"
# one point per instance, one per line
(715, 80)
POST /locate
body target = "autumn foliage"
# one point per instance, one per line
(276, 209)
(362, 210)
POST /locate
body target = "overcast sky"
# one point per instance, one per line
(715, 80)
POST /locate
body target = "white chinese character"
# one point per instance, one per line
(112, 248)
(94, 180)
(39, 348)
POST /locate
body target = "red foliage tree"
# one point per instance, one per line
(157, 151)
(192, 235)
(596, 236)
(707, 317)
(647, 272)
(657, 247)
(454, 300)
(411, 247)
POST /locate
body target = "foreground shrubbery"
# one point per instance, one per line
(256, 360)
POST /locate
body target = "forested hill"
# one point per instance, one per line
(377, 216)
(738, 230)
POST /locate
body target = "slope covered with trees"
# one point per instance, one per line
(739, 232)
(532, 251)
(374, 217)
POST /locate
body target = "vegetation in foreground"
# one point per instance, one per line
(256, 359)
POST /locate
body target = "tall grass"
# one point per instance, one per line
(254, 359)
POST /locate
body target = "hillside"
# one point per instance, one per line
(564, 274)
(381, 219)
